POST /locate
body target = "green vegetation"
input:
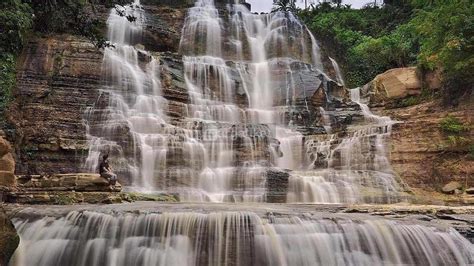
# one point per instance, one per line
(456, 133)
(19, 17)
(430, 34)
(65, 199)
(135, 196)
(426, 94)
(15, 20)
(285, 5)
(452, 125)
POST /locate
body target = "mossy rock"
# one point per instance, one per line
(135, 196)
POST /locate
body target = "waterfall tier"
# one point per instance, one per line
(258, 102)
(214, 236)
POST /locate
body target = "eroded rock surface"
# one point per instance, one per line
(7, 163)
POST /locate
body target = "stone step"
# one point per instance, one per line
(80, 182)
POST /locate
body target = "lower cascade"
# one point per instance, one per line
(235, 237)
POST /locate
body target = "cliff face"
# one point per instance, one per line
(59, 77)
(422, 154)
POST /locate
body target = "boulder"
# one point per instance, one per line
(9, 239)
(398, 83)
(451, 187)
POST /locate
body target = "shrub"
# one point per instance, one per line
(452, 125)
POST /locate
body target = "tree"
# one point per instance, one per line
(284, 5)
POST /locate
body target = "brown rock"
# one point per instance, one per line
(4, 147)
(7, 178)
(9, 239)
(398, 83)
(7, 163)
(420, 153)
(80, 182)
(451, 187)
(470, 190)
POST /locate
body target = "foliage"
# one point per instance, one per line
(447, 31)
(431, 34)
(426, 94)
(452, 125)
(456, 133)
(15, 20)
(366, 41)
(284, 5)
(68, 16)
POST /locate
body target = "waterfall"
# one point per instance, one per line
(91, 237)
(244, 116)
(335, 65)
(263, 123)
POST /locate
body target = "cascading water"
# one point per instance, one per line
(352, 169)
(176, 237)
(259, 104)
(241, 121)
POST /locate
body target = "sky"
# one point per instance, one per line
(266, 5)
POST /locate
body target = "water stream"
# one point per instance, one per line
(262, 124)
(244, 77)
(230, 235)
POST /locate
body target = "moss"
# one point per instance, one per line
(65, 199)
(135, 196)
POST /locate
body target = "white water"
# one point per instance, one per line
(339, 77)
(233, 238)
(242, 116)
(353, 169)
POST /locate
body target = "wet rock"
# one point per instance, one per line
(72, 197)
(9, 238)
(452, 187)
(162, 29)
(81, 182)
(277, 185)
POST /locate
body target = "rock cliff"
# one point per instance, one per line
(423, 154)
(60, 78)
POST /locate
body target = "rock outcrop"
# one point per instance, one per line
(60, 76)
(57, 79)
(7, 163)
(422, 154)
(399, 83)
(81, 182)
(9, 238)
(452, 187)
